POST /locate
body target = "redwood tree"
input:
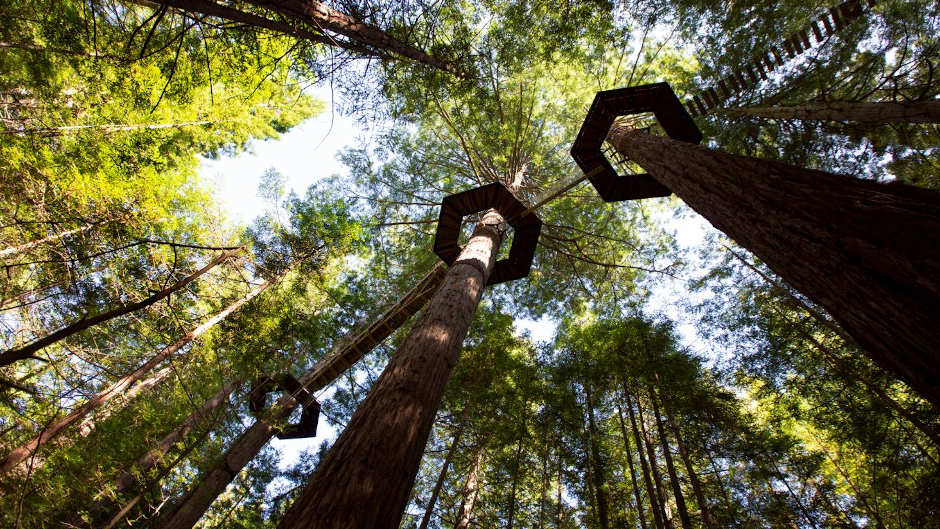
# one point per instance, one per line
(863, 250)
(365, 480)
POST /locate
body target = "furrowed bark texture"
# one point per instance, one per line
(188, 510)
(866, 252)
(121, 385)
(885, 112)
(28, 350)
(365, 479)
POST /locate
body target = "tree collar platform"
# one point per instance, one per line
(526, 227)
(608, 105)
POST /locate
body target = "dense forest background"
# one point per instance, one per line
(684, 386)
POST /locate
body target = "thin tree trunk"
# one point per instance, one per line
(49, 132)
(808, 515)
(703, 507)
(153, 457)
(315, 19)
(29, 350)
(670, 466)
(543, 498)
(927, 111)
(834, 511)
(560, 510)
(13, 250)
(515, 483)
(365, 479)
(654, 505)
(629, 452)
(599, 478)
(654, 468)
(840, 364)
(105, 500)
(188, 510)
(864, 251)
(879, 522)
(470, 491)
(429, 511)
(119, 386)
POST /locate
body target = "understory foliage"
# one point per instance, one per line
(679, 385)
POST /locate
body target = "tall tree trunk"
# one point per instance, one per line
(49, 132)
(864, 251)
(312, 21)
(693, 476)
(927, 111)
(429, 511)
(13, 250)
(470, 491)
(29, 350)
(365, 479)
(102, 509)
(629, 452)
(599, 479)
(515, 484)
(543, 498)
(872, 512)
(654, 468)
(810, 517)
(121, 385)
(560, 506)
(189, 509)
(670, 466)
(654, 505)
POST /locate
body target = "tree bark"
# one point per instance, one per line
(654, 468)
(29, 350)
(670, 466)
(515, 483)
(189, 509)
(315, 19)
(629, 453)
(49, 132)
(429, 511)
(560, 511)
(13, 250)
(365, 479)
(470, 490)
(119, 386)
(654, 505)
(599, 479)
(102, 509)
(927, 111)
(864, 251)
(544, 494)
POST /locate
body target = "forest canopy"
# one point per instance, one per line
(725, 218)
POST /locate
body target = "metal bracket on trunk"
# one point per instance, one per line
(307, 427)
